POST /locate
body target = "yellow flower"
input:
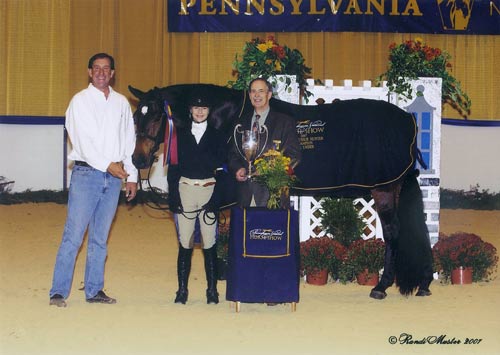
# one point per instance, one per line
(251, 64)
(277, 66)
(419, 40)
(263, 47)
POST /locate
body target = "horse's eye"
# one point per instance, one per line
(144, 110)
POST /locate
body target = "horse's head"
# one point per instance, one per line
(150, 124)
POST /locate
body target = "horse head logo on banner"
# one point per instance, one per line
(250, 142)
(455, 14)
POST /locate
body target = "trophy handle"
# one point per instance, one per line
(237, 129)
(263, 129)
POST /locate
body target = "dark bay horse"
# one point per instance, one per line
(350, 148)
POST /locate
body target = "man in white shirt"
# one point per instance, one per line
(100, 126)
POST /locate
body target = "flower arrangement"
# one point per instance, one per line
(363, 254)
(273, 170)
(412, 59)
(321, 253)
(466, 250)
(266, 58)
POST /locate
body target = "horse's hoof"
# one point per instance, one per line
(423, 293)
(378, 295)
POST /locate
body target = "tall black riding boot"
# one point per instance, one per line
(183, 270)
(211, 272)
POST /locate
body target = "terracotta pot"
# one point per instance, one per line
(367, 278)
(317, 278)
(461, 276)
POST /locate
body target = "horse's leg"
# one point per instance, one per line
(386, 204)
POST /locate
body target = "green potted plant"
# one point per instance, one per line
(363, 257)
(413, 59)
(464, 250)
(321, 255)
(341, 220)
(267, 58)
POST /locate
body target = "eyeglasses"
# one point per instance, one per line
(259, 91)
(97, 69)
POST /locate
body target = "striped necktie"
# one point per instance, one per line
(255, 126)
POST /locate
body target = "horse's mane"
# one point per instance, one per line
(227, 103)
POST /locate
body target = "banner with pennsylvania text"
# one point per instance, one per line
(407, 16)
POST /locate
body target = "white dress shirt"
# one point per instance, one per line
(101, 130)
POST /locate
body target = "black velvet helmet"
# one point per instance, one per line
(200, 98)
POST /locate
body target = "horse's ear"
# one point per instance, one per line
(136, 92)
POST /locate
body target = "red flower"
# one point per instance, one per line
(321, 253)
(279, 51)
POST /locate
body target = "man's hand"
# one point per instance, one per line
(130, 190)
(241, 175)
(116, 169)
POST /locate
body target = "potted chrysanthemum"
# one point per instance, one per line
(413, 59)
(464, 251)
(363, 259)
(320, 257)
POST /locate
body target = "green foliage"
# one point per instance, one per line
(474, 199)
(413, 59)
(61, 197)
(29, 196)
(340, 218)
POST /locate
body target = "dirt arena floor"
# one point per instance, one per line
(141, 274)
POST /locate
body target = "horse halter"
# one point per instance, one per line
(155, 139)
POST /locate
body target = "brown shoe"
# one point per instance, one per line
(57, 300)
(101, 297)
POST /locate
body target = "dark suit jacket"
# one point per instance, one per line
(282, 136)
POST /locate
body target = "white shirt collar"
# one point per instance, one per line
(198, 129)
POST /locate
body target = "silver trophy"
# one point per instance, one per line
(250, 143)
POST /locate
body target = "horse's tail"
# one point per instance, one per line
(414, 254)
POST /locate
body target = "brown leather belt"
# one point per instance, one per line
(82, 163)
(203, 185)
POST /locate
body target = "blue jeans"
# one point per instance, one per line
(93, 199)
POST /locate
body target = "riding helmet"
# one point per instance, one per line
(200, 98)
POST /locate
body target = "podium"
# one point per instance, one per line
(263, 257)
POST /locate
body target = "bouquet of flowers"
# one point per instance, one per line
(274, 171)
(266, 58)
(413, 59)
(466, 250)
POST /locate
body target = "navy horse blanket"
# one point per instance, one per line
(348, 147)
(352, 146)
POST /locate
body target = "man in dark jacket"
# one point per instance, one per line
(282, 136)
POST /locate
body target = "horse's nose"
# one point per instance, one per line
(139, 161)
